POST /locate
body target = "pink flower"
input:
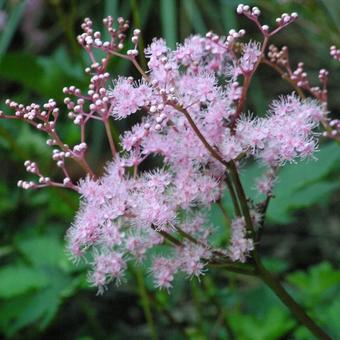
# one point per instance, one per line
(163, 271)
(250, 56)
(240, 246)
(108, 266)
(126, 98)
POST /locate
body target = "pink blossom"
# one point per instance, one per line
(126, 98)
(108, 266)
(163, 270)
(240, 245)
(251, 55)
(192, 259)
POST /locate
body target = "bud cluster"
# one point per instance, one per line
(253, 14)
(91, 38)
(335, 53)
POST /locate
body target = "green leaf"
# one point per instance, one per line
(13, 66)
(299, 185)
(11, 26)
(228, 14)
(6, 204)
(220, 225)
(275, 265)
(284, 204)
(16, 280)
(39, 307)
(31, 141)
(169, 20)
(195, 16)
(62, 59)
(297, 176)
(44, 74)
(332, 317)
(42, 251)
(273, 325)
(317, 280)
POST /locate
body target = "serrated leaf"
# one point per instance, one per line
(38, 307)
(316, 280)
(41, 306)
(273, 325)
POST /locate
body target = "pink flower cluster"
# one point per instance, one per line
(240, 245)
(122, 217)
(285, 134)
(189, 105)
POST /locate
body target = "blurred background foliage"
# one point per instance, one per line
(43, 295)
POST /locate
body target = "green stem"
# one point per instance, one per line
(168, 236)
(234, 268)
(241, 196)
(298, 312)
(233, 196)
(270, 280)
(146, 304)
(109, 137)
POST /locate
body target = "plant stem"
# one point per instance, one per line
(274, 284)
(241, 196)
(168, 236)
(146, 304)
(233, 195)
(234, 269)
(199, 134)
(246, 84)
(270, 280)
(109, 137)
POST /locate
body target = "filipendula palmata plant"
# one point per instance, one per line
(190, 104)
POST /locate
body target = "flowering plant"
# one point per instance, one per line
(190, 105)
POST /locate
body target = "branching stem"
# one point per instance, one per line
(298, 312)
